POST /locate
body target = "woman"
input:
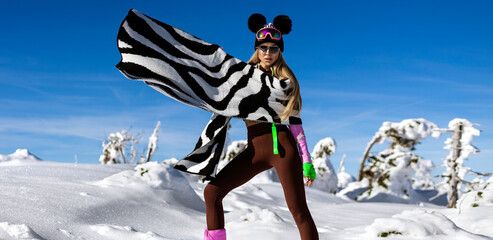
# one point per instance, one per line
(269, 145)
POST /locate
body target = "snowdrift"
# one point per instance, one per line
(19, 157)
(47, 200)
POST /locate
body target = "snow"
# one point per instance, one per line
(16, 231)
(418, 223)
(231, 151)
(417, 129)
(48, 200)
(344, 179)
(395, 173)
(20, 157)
(124, 232)
(479, 195)
(152, 146)
(326, 175)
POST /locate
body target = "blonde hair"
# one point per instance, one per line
(281, 70)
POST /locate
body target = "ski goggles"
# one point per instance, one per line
(274, 34)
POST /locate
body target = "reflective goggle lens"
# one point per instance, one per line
(274, 33)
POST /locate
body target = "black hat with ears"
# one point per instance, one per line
(282, 23)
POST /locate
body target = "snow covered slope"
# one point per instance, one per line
(47, 200)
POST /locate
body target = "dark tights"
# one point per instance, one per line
(256, 158)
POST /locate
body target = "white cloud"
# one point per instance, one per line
(97, 126)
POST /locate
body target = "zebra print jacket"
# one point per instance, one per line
(200, 74)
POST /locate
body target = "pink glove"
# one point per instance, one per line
(299, 136)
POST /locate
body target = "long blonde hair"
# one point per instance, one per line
(281, 70)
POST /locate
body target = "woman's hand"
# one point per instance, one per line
(309, 172)
(309, 182)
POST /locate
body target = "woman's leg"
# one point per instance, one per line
(237, 172)
(289, 171)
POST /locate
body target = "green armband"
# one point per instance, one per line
(309, 171)
(274, 138)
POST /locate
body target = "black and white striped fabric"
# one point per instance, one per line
(202, 75)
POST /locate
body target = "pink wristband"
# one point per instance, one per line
(299, 136)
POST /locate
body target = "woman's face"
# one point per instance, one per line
(268, 53)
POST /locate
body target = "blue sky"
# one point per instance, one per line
(359, 63)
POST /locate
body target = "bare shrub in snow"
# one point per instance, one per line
(115, 146)
(152, 146)
(120, 147)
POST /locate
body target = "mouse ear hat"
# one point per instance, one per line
(272, 32)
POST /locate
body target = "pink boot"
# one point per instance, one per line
(219, 234)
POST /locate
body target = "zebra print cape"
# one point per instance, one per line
(200, 74)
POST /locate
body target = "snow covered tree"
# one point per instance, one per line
(235, 148)
(114, 148)
(460, 148)
(394, 169)
(343, 177)
(326, 175)
(478, 193)
(224, 159)
(152, 146)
